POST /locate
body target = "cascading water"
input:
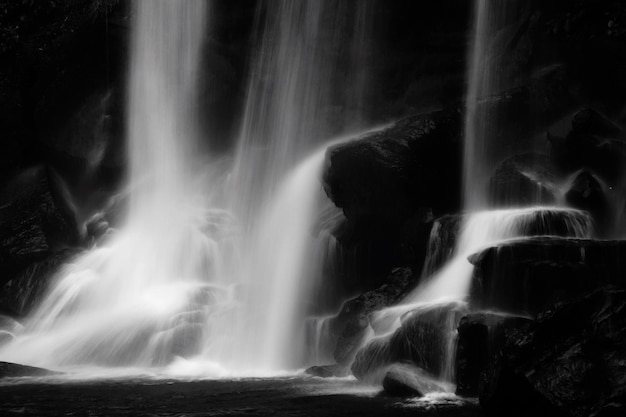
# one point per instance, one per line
(177, 284)
(309, 63)
(141, 299)
(299, 66)
(445, 290)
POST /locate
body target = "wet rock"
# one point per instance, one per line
(21, 293)
(481, 336)
(392, 172)
(591, 144)
(586, 193)
(404, 380)
(524, 180)
(36, 220)
(569, 363)
(442, 242)
(352, 322)
(328, 371)
(527, 275)
(589, 121)
(14, 370)
(424, 339)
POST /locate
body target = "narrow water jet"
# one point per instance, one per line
(486, 76)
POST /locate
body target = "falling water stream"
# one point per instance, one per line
(183, 286)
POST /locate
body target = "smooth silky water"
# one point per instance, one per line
(193, 286)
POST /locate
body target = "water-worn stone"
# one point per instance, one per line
(481, 335)
(586, 193)
(392, 172)
(524, 180)
(21, 293)
(571, 362)
(352, 322)
(14, 370)
(589, 121)
(404, 380)
(423, 339)
(442, 242)
(525, 276)
(328, 371)
(36, 220)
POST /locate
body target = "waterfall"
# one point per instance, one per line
(143, 298)
(183, 285)
(307, 83)
(487, 76)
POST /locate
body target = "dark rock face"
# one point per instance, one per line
(569, 363)
(393, 172)
(352, 323)
(20, 294)
(36, 219)
(424, 339)
(328, 371)
(593, 143)
(404, 380)
(523, 180)
(481, 336)
(589, 121)
(37, 224)
(14, 370)
(528, 275)
(586, 193)
(441, 243)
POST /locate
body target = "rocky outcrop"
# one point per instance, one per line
(526, 276)
(586, 193)
(524, 180)
(20, 294)
(328, 371)
(37, 225)
(480, 337)
(392, 172)
(569, 363)
(442, 242)
(14, 370)
(352, 323)
(424, 339)
(404, 380)
(593, 143)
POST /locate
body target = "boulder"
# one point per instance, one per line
(404, 380)
(425, 339)
(525, 276)
(14, 370)
(392, 172)
(605, 156)
(586, 193)
(589, 121)
(352, 323)
(481, 336)
(524, 180)
(37, 219)
(441, 242)
(328, 371)
(21, 293)
(570, 362)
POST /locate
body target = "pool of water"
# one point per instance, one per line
(279, 396)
